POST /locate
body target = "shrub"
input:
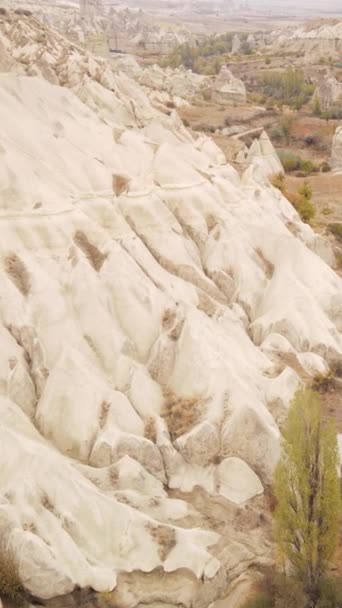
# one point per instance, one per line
(278, 181)
(288, 87)
(300, 200)
(306, 211)
(268, 60)
(186, 122)
(325, 167)
(276, 134)
(336, 230)
(305, 191)
(313, 140)
(260, 600)
(330, 593)
(278, 591)
(292, 162)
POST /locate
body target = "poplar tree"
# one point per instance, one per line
(307, 490)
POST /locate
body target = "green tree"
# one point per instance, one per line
(308, 493)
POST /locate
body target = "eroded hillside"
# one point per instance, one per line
(157, 312)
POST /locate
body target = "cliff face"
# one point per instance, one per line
(154, 306)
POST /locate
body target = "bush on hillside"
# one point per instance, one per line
(288, 87)
(276, 590)
(292, 162)
(336, 230)
(325, 167)
(300, 200)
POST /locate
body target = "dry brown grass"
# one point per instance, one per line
(105, 406)
(169, 318)
(11, 588)
(181, 413)
(267, 265)
(165, 537)
(120, 184)
(150, 431)
(18, 273)
(92, 253)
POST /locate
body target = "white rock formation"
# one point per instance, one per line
(261, 156)
(142, 280)
(227, 88)
(329, 92)
(336, 154)
(314, 40)
(236, 46)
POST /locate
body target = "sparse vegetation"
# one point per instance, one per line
(307, 489)
(11, 588)
(275, 590)
(288, 87)
(206, 57)
(150, 429)
(165, 537)
(294, 163)
(18, 273)
(307, 513)
(300, 200)
(336, 230)
(92, 253)
(325, 167)
(181, 413)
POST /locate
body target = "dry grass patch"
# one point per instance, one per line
(92, 253)
(169, 318)
(105, 407)
(181, 413)
(165, 538)
(150, 431)
(267, 265)
(11, 588)
(18, 273)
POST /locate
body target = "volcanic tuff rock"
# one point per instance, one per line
(314, 40)
(148, 297)
(227, 88)
(329, 92)
(262, 156)
(336, 154)
(101, 27)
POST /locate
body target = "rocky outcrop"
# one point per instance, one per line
(329, 92)
(336, 154)
(236, 46)
(146, 293)
(314, 40)
(227, 88)
(261, 156)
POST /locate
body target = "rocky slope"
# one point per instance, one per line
(101, 26)
(314, 40)
(179, 86)
(154, 306)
